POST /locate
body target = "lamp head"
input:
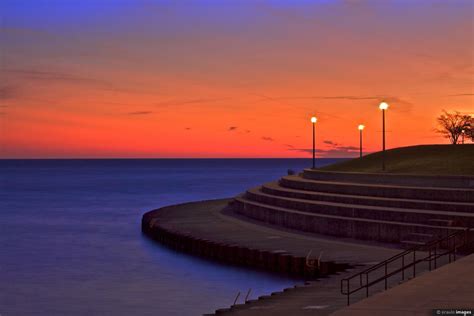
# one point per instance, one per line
(361, 127)
(383, 106)
(314, 119)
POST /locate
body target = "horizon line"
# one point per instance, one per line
(168, 158)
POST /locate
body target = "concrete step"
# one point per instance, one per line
(412, 243)
(274, 188)
(461, 182)
(422, 237)
(363, 211)
(379, 190)
(340, 226)
(441, 222)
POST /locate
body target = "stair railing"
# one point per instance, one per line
(430, 253)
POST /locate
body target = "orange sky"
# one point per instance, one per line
(228, 79)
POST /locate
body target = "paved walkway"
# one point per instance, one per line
(206, 220)
(451, 286)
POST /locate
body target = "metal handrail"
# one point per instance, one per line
(433, 253)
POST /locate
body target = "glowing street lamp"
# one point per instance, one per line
(462, 136)
(361, 128)
(383, 106)
(314, 119)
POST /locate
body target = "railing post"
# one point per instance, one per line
(454, 250)
(435, 255)
(449, 250)
(385, 275)
(414, 263)
(403, 268)
(366, 284)
(348, 297)
(429, 258)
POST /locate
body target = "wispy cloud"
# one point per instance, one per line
(48, 76)
(330, 142)
(140, 113)
(461, 95)
(9, 92)
(54, 76)
(232, 128)
(333, 149)
(189, 102)
(336, 97)
(339, 152)
(400, 104)
(268, 139)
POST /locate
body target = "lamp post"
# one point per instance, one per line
(462, 136)
(313, 121)
(361, 128)
(383, 106)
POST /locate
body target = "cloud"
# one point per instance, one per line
(335, 150)
(461, 95)
(188, 128)
(399, 105)
(337, 97)
(348, 97)
(189, 102)
(329, 142)
(232, 128)
(339, 152)
(140, 113)
(268, 139)
(54, 76)
(8, 92)
(337, 146)
(70, 78)
(289, 146)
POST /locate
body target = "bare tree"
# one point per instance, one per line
(451, 125)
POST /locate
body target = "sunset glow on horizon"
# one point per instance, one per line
(199, 79)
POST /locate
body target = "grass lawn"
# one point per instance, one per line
(422, 159)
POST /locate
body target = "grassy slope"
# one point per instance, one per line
(423, 159)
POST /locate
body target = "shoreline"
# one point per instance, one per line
(205, 229)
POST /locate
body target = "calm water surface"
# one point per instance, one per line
(70, 239)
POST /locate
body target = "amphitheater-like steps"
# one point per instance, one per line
(274, 188)
(380, 190)
(340, 226)
(456, 181)
(374, 208)
(465, 219)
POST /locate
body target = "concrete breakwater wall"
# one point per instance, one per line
(272, 261)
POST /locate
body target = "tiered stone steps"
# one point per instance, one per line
(274, 188)
(410, 215)
(380, 190)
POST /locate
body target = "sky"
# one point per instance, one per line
(199, 79)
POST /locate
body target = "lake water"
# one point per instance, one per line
(71, 244)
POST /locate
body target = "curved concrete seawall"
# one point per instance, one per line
(154, 224)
